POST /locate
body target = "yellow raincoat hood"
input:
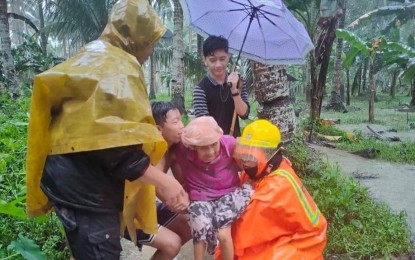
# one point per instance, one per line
(96, 99)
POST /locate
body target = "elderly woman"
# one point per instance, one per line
(211, 178)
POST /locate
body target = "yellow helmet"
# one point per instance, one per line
(259, 141)
(261, 133)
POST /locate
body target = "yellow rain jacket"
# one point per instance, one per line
(96, 100)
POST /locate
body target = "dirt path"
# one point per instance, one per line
(130, 252)
(389, 182)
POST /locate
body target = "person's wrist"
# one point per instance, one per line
(235, 94)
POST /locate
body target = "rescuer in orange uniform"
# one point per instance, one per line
(282, 221)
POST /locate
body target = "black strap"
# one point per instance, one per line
(272, 164)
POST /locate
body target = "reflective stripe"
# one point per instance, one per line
(313, 217)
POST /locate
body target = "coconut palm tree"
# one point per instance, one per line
(81, 21)
(273, 96)
(6, 58)
(163, 52)
(178, 58)
(33, 14)
(270, 82)
(336, 100)
(43, 34)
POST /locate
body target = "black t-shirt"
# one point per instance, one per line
(217, 101)
(93, 180)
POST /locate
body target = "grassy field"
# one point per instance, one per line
(386, 112)
(347, 206)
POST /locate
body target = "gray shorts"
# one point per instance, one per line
(207, 217)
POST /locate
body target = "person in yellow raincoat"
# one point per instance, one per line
(282, 221)
(92, 138)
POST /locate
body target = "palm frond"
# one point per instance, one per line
(77, 19)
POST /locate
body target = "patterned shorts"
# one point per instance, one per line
(207, 217)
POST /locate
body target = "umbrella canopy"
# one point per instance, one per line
(260, 30)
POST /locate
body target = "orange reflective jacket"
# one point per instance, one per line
(282, 221)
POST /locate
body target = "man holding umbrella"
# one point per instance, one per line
(217, 94)
(264, 31)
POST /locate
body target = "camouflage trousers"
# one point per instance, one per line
(207, 217)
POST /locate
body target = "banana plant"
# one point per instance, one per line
(403, 13)
(359, 47)
(403, 57)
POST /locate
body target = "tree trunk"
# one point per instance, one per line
(336, 101)
(371, 93)
(413, 92)
(200, 46)
(6, 57)
(152, 93)
(16, 25)
(362, 88)
(43, 37)
(393, 84)
(178, 58)
(322, 56)
(308, 76)
(348, 87)
(273, 96)
(64, 48)
(313, 85)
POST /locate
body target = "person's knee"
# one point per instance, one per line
(224, 236)
(173, 247)
(224, 239)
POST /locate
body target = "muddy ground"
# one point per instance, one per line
(391, 183)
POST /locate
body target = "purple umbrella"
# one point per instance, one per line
(260, 30)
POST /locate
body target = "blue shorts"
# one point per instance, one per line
(164, 218)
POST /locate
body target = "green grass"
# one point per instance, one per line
(164, 96)
(13, 131)
(385, 112)
(46, 231)
(399, 152)
(359, 227)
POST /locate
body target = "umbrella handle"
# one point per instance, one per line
(239, 84)
(234, 116)
(233, 123)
